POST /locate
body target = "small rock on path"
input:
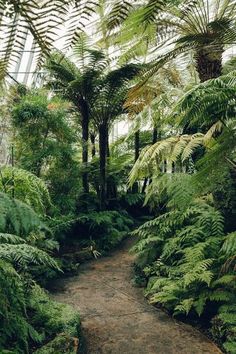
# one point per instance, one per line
(117, 319)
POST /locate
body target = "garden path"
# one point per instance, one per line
(117, 319)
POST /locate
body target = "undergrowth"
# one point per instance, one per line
(189, 261)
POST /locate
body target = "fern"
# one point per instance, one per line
(43, 20)
(19, 255)
(18, 218)
(13, 323)
(26, 187)
(25, 255)
(182, 247)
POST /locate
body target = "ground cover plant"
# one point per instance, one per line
(127, 127)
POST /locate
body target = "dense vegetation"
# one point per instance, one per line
(71, 191)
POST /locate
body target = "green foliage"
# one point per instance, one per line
(105, 228)
(39, 18)
(50, 317)
(17, 217)
(183, 253)
(169, 29)
(26, 187)
(13, 323)
(36, 319)
(188, 251)
(18, 257)
(45, 146)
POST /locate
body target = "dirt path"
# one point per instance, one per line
(117, 319)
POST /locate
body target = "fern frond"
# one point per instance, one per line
(11, 239)
(229, 245)
(27, 188)
(17, 217)
(26, 255)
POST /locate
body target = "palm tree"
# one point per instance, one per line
(202, 27)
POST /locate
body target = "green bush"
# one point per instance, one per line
(189, 261)
(105, 228)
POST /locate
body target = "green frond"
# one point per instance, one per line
(118, 13)
(11, 239)
(44, 21)
(27, 187)
(17, 217)
(23, 255)
(185, 306)
(229, 245)
(170, 149)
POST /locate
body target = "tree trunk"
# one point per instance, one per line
(107, 138)
(92, 138)
(209, 64)
(136, 156)
(85, 136)
(136, 145)
(110, 184)
(154, 135)
(103, 161)
(154, 140)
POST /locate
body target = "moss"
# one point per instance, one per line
(57, 324)
(50, 317)
(63, 343)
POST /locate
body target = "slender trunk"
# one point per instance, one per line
(172, 167)
(144, 185)
(136, 145)
(85, 136)
(209, 65)
(165, 166)
(92, 138)
(111, 185)
(154, 140)
(107, 140)
(154, 135)
(136, 156)
(13, 173)
(103, 161)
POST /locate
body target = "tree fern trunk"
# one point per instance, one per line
(136, 145)
(85, 136)
(154, 140)
(154, 135)
(103, 160)
(92, 138)
(110, 184)
(209, 65)
(107, 139)
(136, 155)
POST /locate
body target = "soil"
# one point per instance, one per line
(117, 319)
